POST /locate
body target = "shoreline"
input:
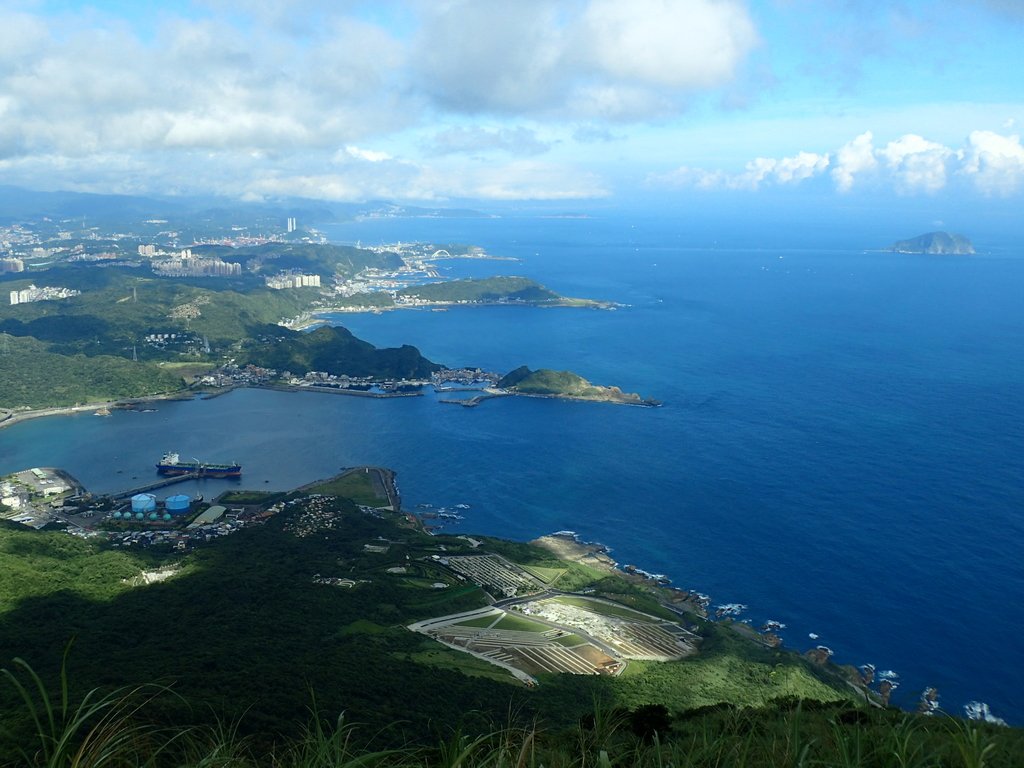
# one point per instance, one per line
(564, 302)
(9, 418)
(12, 417)
(567, 545)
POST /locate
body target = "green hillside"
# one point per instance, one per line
(36, 378)
(545, 381)
(489, 289)
(246, 629)
(334, 350)
(99, 346)
(253, 634)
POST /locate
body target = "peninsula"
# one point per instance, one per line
(499, 290)
(566, 385)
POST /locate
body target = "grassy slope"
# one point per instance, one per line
(356, 486)
(245, 629)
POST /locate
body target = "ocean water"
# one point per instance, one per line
(839, 446)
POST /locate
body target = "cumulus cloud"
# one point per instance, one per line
(666, 43)
(802, 166)
(614, 60)
(909, 164)
(262, 86)
(916, 164)
(853, 159)
(369, 155)
(197, 84)
(760, 171)
(995, 163)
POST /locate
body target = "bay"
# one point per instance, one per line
(839, 446)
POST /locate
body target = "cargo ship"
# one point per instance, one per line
(171, 464)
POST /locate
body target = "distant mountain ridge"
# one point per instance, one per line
(935, 243)
(17, 203)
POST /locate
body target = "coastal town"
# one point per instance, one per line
(37, 247)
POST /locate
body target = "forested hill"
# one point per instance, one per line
(517, 289)
(334, 350)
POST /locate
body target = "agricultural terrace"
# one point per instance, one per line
(495, 571)
(630, 634)
(523, 646)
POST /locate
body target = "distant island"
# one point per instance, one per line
(939, 243)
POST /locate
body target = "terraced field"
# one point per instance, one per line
(517, 643)
(628, 633)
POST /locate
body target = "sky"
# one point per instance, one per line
(574, 101)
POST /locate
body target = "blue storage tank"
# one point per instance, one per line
(143, 502)
(177, 505)
(117, 515)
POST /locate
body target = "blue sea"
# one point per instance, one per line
(840, 445)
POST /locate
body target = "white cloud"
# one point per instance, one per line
(761, 170)
(916, 164)
(667, 43)
(197, 83)
(854, 158)
(802, 166)
(369, 155)
(270, 90)
(582, 59)
(909, 164)
(995, 163)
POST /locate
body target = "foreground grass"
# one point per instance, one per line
(52, 729)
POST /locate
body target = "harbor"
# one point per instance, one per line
(154, 486)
